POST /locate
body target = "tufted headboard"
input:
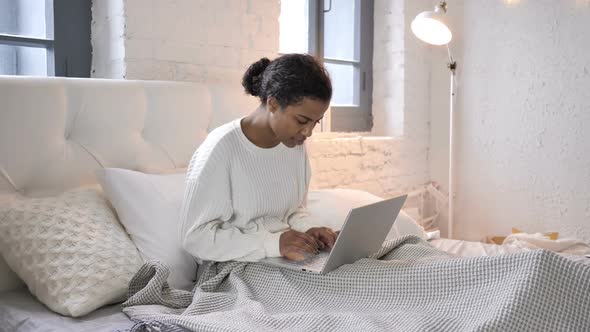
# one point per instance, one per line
(55, 132)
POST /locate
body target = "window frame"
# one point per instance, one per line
(67, 41)
(347, 117)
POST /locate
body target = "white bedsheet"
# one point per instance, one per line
(474, 249)
(20, 311)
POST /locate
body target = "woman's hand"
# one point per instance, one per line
(297, 246)
(325, 236)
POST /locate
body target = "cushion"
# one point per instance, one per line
(331, 207)
(70, 250)
(148, 206)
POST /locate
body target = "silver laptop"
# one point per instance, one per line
(363, 233)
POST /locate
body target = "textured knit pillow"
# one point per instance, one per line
(70, 250)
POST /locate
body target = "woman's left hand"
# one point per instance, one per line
(325, 236)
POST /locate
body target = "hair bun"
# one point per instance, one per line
(253, 77)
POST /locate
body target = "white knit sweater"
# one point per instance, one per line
(239, 197)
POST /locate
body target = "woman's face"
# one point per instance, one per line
(293, 124)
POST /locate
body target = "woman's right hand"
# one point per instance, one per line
(297, 246)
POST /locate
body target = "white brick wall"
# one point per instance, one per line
(368, 163)
(215, 41)
(401, 95)
(182, 40)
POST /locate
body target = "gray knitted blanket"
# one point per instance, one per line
(407, 286)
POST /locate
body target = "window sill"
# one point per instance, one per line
(324, 136)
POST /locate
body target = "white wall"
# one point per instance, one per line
(523, 116)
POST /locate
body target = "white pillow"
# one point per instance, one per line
(70, 250)
(148, 206)
(331, 206)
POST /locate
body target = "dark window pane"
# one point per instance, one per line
(20, 60)
(23, 18)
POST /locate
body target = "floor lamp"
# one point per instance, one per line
(431, 27)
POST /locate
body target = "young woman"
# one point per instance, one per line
(247, 183)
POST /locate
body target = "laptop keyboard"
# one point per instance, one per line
(316, 262)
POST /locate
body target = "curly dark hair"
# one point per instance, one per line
(288, 78)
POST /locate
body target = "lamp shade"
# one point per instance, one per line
(430, 27)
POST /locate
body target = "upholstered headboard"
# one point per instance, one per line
(55, 132)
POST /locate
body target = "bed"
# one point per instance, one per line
(55, 133)
(19, 310)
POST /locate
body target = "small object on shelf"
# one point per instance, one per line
(494, 239)
(550, 235)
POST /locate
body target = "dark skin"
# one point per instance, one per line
(271, 125)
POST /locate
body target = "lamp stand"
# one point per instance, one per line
(452, 65)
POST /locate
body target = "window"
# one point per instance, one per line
(340, 33)
(45, 37)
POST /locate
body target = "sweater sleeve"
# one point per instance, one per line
(206, 229)
(301, 220)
